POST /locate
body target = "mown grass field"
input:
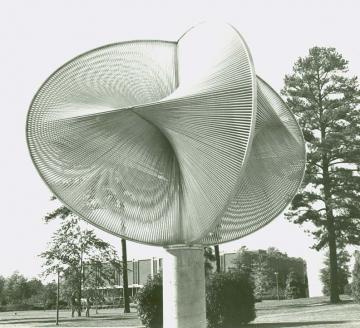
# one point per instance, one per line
(105, 318)
(314, 312)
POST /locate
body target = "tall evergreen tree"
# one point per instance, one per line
(326, 102)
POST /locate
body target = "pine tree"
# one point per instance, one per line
(326, 103)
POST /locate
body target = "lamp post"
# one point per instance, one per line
(277, 285)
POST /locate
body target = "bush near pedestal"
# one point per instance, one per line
(230, 301)
(150, 304)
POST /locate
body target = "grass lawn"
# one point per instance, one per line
(105, 318)
(314, 312)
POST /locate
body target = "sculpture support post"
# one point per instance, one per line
(184, 287)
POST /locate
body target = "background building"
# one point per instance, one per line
(278, 266)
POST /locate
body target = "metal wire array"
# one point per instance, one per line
(167, 142)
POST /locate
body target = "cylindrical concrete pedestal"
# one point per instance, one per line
(184, 287)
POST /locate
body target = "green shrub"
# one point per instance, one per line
(230, 300)
(17, 307)
(150, 305)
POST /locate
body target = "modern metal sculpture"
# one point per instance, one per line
(176, 144)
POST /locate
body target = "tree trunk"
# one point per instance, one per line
(217, 258)
(80, 285)
(334, 290)
(125, 277)
(97, 275)
(57, 297)
(79, 302)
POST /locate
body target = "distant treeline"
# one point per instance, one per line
(273, 273)
(19, 293)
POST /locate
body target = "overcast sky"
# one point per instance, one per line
(39, 36)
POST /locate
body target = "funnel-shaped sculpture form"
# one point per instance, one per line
(167, 142)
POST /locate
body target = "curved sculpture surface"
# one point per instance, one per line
(167, 142)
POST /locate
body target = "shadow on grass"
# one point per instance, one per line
(293, 324)
(24, 321)
(47, 318)
(292, 306)
(122, 318)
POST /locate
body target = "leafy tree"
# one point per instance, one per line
(261, 265)
(355, 285)
(293, 286)
(16, 289)
(325, 102)
(343, 272)
(244, 261)
(49, 295)
(2, 291)
(73, 248)
(261, 278)
(34, 286)
(35, 292)
(97, 274)
(44, 295)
